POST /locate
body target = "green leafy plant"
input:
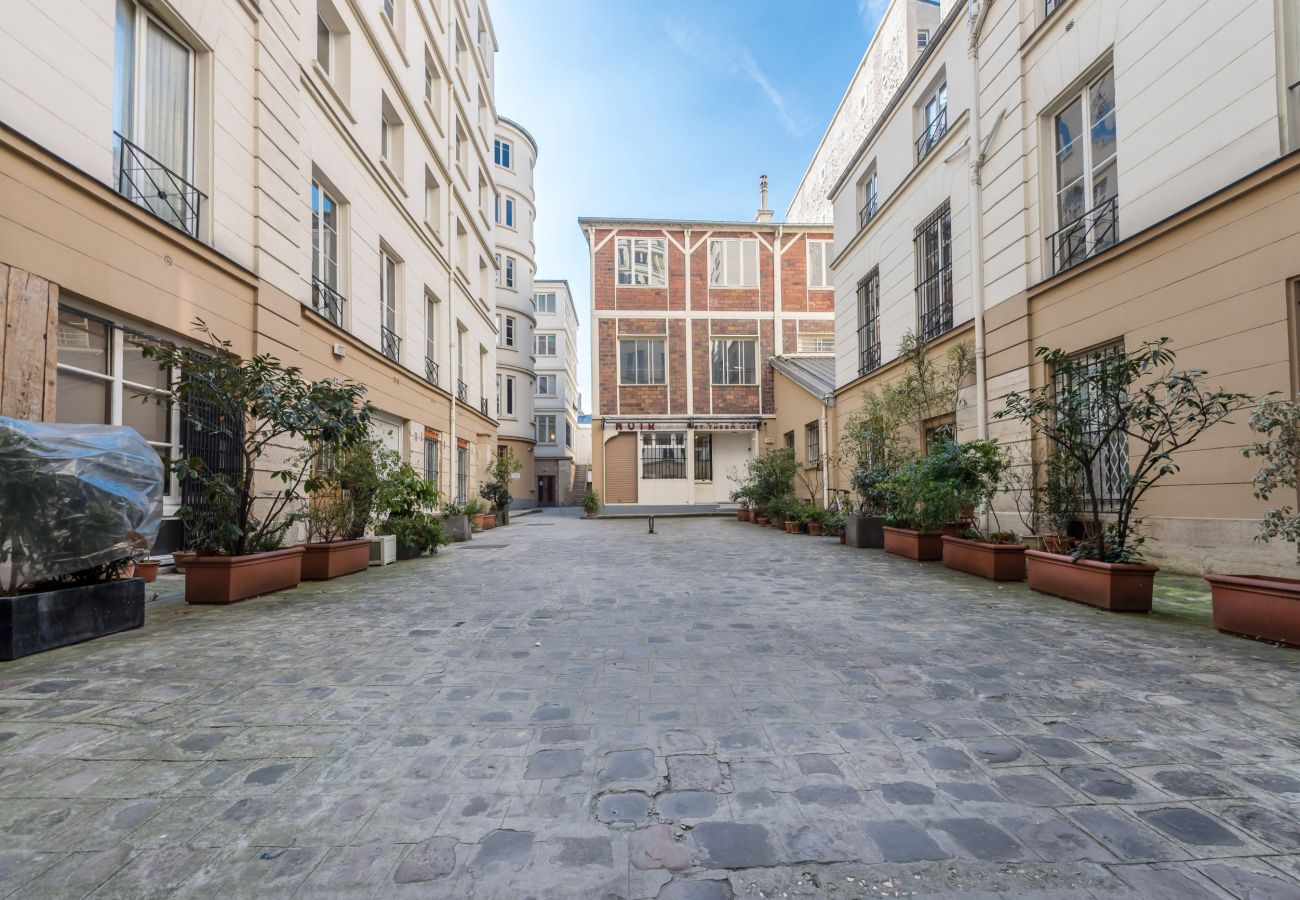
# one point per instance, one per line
(771, 475)
(812, 514)
(873, 448)
(1134, 399)
(473, 508)
(590, 501)
(260, 404)
(406, 504)
(496, 490)
(929, 388)
(1277, 422)
(939, 488)
(343, 493)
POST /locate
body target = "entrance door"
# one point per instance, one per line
(545, 490)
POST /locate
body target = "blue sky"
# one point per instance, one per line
(668, 109)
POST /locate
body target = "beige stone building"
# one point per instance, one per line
(315, 181)
(803, 394)
(556, 403)
(1082, 174)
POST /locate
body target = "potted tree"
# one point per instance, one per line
(591, 503)
(872, 449)
(1103, 406)
(1264, 606)
(922, 503)
(340, 507)
(771, 475)
(238, 529)
(975, 472)
(814, 518)
(77, 504)
(496, 491)
(406, 504)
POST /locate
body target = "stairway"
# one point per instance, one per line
(579, 485)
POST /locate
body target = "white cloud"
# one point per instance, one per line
(735, 59)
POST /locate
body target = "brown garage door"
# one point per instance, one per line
(620, 469)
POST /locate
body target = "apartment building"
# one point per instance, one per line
(685, 315)
(515, 157)
(1082, 174)
(314, 181)
(556, 403)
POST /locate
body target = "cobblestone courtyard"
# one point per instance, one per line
(576, 709)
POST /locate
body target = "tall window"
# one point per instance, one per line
(922, 38)
(497, 273)
(869, 322)
(462, 474)
(703, 457)
(934, 274)
(509, 331)
(819, 265)
(507, 403)
(787, 440)
(734, 361)
(432, 450)
(568, 435)
(324, 45)
(642, 261)
(868, 198)
(388, 297)
(501, 152)
(510, 272)
(510, 212)
(545, 386)
(546, 433)
(663, 454)
(812, 444)
(934, 121)
(390, 11)
(545, 345)
(733, 262)
(325, 255)
(641, 361)
(431, 338)
(1087, 183)
(545, 302)
(1110, 467)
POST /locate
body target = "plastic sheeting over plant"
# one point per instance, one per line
(74, 500)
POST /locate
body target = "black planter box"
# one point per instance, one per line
(32, 623)
(864, 531)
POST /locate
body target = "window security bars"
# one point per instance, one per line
(704, 457)
(483, 405)
(934, 275)
(663, 455)
(145, 181)
(389, 342)
(1086, 236)
(869, 317)
(327, 301)
(934, 130)
(462, 391)
(869, 210)
(1110, 467)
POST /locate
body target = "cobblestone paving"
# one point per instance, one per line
(576, 709)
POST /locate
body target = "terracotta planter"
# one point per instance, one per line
(864, 531)
(591, 513)
(485, 521)
(321, 562)
(815, 529)
(742, 515)
(761, 520)
(1118, 587)
(181, 557)
(1258, 606)
(996, 562)
(227, 579)
(793, 527)
(146, 569)
(925, 546)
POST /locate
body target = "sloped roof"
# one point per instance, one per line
(815, 374)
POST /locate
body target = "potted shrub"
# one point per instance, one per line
(496, 491)
(145, 568)
(922, 503)
(1264, 606)
(794, 522)
(341, 504)
(1101, 405)
(77, 503)
(814, 517)
(975, 470)
(591, 503)
(238, 530)
(455, 522)
(771, 476)
(479, 517)
(406, 504)
(873, 449)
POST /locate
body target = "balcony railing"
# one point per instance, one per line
(930, 136)
(327, 301)
(1086, 236)
(431, 371)
(390, 343)
(483, 405)
(868, 211)
(145, 181)
(462, 391)
(934, 300)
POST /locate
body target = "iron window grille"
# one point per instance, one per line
(1110, 466)
(704, 457)
(663, 454)
(146, 182)
(462, 391)
(813, 441)
(934, 274)
(431, 450)
(869, 317)
(389, 343)
(1087, 174)
(431, 371)
(1086, 236)
(327, 301)
(934, 129)
(462, 475)
(869, 209)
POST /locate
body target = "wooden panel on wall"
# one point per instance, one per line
(29, 308)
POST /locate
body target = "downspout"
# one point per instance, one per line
(827, 400)
(978, 9)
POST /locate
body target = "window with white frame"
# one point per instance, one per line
(510, 272)
(390, 136)
(510, 211)
(733, 262)
(497, 274)
(326, 298)
(432, 201)
(922, 38)
(642, 261)
(509, 331)
(324, 45)
(388, 287)
(734, 361)
(868, 197)
(812, 444)
(568, 434)
(819, 265)
(501, 153)
(545, 344)
(506, 403)
(103, 378)
(545, 428)
(1087, 174)
(641, 361)
(390, 11)
(816, 343)
(500, 330)
(545, 386)
(431, 337)
(934, 121)
(544, 302)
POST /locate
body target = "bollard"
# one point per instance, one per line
(651, 520)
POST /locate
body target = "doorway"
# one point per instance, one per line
(545, 490)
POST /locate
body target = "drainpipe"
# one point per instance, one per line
(827, 400)
(977, 9)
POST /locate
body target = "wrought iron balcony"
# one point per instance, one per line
(1086, 236)
(483, 405)
(934, 300)
(327, 301)
(431, 371)
(930, 136)
(868, 211)
(390, 343)
(145, 181)
(462, 391)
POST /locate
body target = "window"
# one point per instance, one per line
(501, 152)
(812, 444)
(733, 361)
(545, 429)
(497, 273)
(641, 361)
(390, 137)
(389, 342)
(431, 338)
(462, 474)
(934, 121)
(816, 343)
(432, 450)
(788, 440)
(663, 454)
(508, 396)
(869, 322)
(1049, 7)
(324, 45)
(733, 263)
(642, 261)
(510, 271)
(545, 386)
(938, 430)
(819, 265)
(545, 345)
(923, 38)
(103, 378)
(510, 331)
(390, 11)
(1110, 466)
(1087, 184)
(545, 303)
(510, 212)
(153, 117)
(325, 255)
(868, 198)
(568, 434)
(704, 457)
(934, 274)
(432, 201)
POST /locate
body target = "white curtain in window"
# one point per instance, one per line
(165, 126)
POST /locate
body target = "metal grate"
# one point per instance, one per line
(869, 316)
(934, 130)
(934, 274)
(1086, 236)
(663, 455)
(1049, 7)
(483, 405)
(704, 457)
(146, 181)
(868, 211)
(205, 435)
(462, 391)
(327, 301)
(431, 371)
(390, 343)
(1110, 467)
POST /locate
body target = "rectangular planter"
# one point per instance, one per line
(32, 623)
(383, 550)
(1257, 606)
(228, 579)
(1118, 587)
(864, 532)
(996, 562)
(925, 546)
(321, 562)
(457, 527)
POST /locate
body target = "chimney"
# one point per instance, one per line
(764, 214)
